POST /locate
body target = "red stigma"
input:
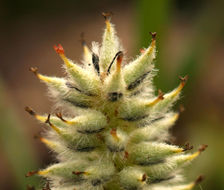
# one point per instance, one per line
(59, 49)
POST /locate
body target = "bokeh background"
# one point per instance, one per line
(190, 41)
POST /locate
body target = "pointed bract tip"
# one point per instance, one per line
(34, 70)
(107, 15)
(59, 49)
(153, 34)
(31, 173)
(30, 111)
(202, 147)
(187, 146)
(183, 79)
(199, 179)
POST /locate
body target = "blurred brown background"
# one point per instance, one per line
(190, 41)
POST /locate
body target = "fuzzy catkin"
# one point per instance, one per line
(114, 136)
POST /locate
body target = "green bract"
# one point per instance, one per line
(114, 134)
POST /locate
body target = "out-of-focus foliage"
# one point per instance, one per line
(15, 146)
(201, 121)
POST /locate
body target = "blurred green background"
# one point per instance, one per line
(190, 41)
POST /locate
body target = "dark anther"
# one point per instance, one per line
(85, 149)
(153, 35)
(77, 104)
(114, 96)
(95, 60)
(90, 131)
(202, 147)
(188, 147)
(69, 85)
(157, 119)
(162, 179)
(30, 111)
(147, 163)
(107, 15)
(117, 54)
(134, 118)
(137, 82)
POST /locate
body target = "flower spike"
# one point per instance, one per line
(116, 131)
